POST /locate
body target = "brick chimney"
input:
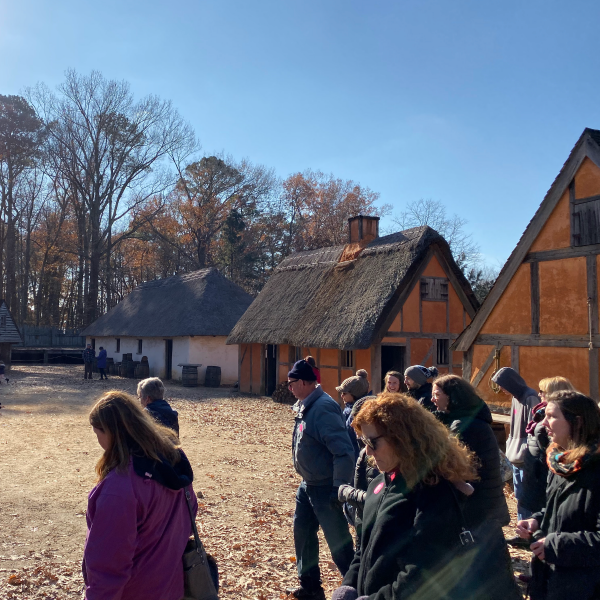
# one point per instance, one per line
(362, 229)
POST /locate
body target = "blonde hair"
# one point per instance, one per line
(130, 429)
(549, 385)
(426, 451)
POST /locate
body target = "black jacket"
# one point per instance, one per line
(535, 470)
(570, 524)
(405, 536)
(423, 396)
(162, 412)
(487, 501)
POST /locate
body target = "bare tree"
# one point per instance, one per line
(433, 213)
(113, 152)
(21, 135)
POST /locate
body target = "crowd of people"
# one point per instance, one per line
(415, 470)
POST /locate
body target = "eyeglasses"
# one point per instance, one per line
(292, 381)
(371, 442)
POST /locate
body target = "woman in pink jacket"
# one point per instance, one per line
(137, 517)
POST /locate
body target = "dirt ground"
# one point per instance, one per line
(239, 448)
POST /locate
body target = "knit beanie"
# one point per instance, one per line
(420, 374)
(302, 370)
(359, 403)
(358, 385)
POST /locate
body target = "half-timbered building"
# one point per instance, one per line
(376, 303)
(541, 316)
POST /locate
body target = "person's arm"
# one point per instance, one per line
(332, 433)
(573, 549)
(110, 546)
(351, 576)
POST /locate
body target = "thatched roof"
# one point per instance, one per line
(313, 300)
(199, 303)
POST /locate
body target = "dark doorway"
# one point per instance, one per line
(270, 369)
(168, 359)
(392, 359)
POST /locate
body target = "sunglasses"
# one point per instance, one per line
(371, 442)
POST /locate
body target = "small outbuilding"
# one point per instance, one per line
(184, 319)
(376, 303)
(541, 316)
(9, 333)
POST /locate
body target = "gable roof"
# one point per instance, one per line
(200, 303)
(10, 332)
(313, 300)
(588, 146)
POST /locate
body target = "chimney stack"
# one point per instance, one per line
(362, 229)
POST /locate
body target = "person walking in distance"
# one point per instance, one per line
(324, 457)
(102, 363)
(88, 361)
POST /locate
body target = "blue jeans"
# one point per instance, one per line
(522, 512)
(314, 508)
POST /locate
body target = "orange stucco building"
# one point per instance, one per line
(376, 303)
(541, 316)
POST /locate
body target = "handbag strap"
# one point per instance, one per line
(463, 522)
(199, 547)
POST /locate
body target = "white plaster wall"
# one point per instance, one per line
(213, 351)
(152, 347)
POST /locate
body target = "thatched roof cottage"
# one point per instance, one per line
(378, 303)
(541, 316)
(182, 319)
(9, 333)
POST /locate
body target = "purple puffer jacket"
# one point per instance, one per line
(137, 532)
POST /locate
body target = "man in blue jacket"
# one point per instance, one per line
(324, 457)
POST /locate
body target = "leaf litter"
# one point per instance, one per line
(239, 447)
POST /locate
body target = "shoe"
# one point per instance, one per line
(304, 594)
(518, 542)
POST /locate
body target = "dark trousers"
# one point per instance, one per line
(88, 370)
(314, 508)
(102, 373)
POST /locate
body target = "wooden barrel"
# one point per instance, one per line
(123, 369)
(131, 368)
(213, 377)
(144, 359)
(189, 376)
(142, 371)
(127, 357)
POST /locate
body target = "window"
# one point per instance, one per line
(585, 221)
(295, 354)
(434, 288)
(139, 347)
(3, 321)
(118, 345)
(348, 359)
(443, 352)
(93, 343)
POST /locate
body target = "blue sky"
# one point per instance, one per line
(473, 103)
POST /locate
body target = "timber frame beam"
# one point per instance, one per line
(560, 341)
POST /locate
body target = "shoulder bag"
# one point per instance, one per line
(200, 573)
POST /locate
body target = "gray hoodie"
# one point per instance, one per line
(523, 401)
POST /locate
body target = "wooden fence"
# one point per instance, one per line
(50, 337)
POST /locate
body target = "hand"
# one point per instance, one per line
(538, 549)
(345, 492)
(527, 527)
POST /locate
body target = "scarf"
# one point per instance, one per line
(557, 460)
(538, 413)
